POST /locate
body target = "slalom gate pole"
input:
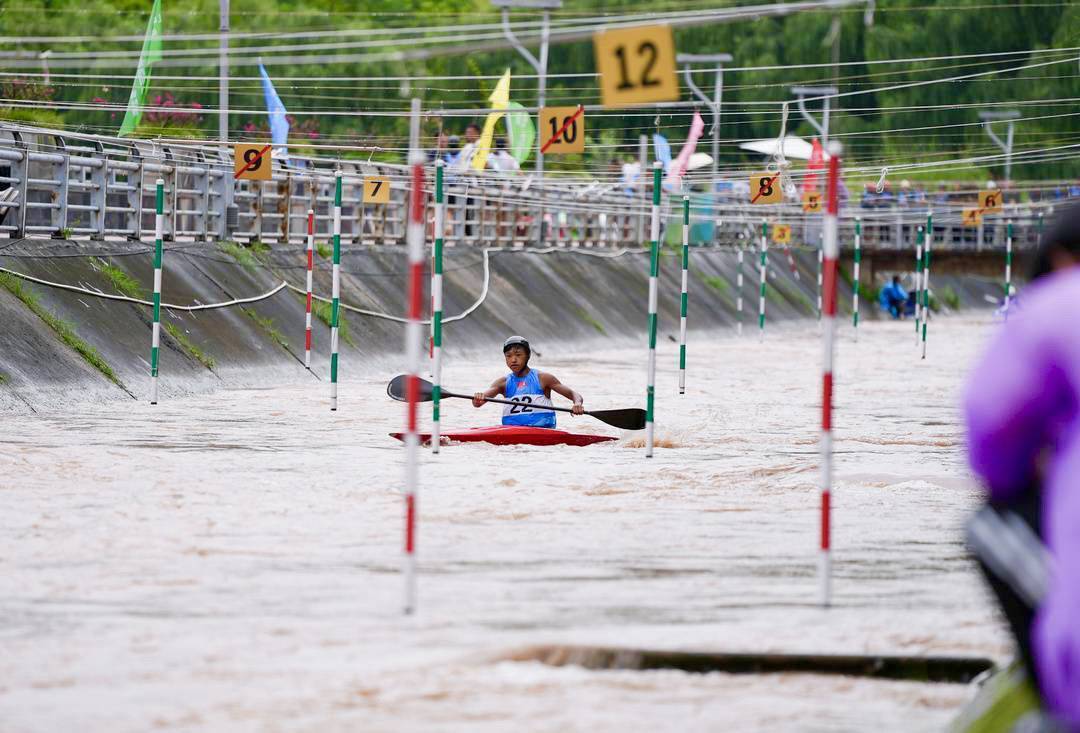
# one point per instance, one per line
(437, 307)
(831, 251)
(820, 268)
(307, 307)
(791, 264)
(855, 279)
(764, 266)
(1008, 265)
(918, 283)
(654, 273)
(683, 301)
(155, 331)
(738, 294)
(335, 292)
(926, 279)
(413, 337)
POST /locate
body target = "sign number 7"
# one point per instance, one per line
(376, 191)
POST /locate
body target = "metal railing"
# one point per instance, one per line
(73, 185)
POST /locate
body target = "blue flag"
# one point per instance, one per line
(662, 150)
(279, 126)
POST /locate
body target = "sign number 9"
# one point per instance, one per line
(252, 159)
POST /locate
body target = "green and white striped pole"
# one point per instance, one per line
(307, 303)
(738, 293)
(437, 307)
(855, 279)
(926, 278)
(683, 302)
(1008, 265)
(764, 268)
(155, 337)
(918, 283)
(654, 273)
(335, 294)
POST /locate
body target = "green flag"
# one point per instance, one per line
(522, 133)
(151, 52)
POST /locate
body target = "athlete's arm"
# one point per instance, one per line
(550, 383)
(496, 388)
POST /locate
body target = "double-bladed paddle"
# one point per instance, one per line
(629, 419)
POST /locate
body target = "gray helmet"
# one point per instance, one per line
(517, 341)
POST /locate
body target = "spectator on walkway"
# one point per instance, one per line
(468, 150)
(501, 160)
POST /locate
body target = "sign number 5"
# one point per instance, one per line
(636, 65)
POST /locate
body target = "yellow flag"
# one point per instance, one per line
(500, 99)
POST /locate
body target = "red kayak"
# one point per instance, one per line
(514, 435)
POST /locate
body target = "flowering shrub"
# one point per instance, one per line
(306, 130)
(164, 111)
(25, 90)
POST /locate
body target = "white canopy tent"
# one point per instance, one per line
(795, 148)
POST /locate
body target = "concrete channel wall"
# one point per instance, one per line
(567, 298)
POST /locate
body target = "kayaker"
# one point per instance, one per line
(893, 298)
(529, 389)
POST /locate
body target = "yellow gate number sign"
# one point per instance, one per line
(376, 191)
(990, 201)
(781, 233)
(636, 65)
(971, 217)
(562, 130)
(765, 188)
(251, 162)
(811, 202)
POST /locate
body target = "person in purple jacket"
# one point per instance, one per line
(1022, 407)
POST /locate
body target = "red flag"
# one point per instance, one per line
(817, 163)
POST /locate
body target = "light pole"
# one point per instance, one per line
(714, 104)
(223, 74)
(44, 56)
(539, 64)
(824, 93)
(1010, 116)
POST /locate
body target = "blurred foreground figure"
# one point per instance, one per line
(1023, 418)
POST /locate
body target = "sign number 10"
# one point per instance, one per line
(563, 130)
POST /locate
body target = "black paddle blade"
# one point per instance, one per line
(397, 389)
(629, 419)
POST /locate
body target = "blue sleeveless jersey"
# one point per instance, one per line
(531, 407)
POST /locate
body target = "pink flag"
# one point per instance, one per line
(678, 166)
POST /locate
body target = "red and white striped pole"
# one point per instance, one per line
(413, 336)
(820, 270)
(791, 264)
(830, 254)
(310, 264)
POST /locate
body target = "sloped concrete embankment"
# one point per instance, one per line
(565, 297)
